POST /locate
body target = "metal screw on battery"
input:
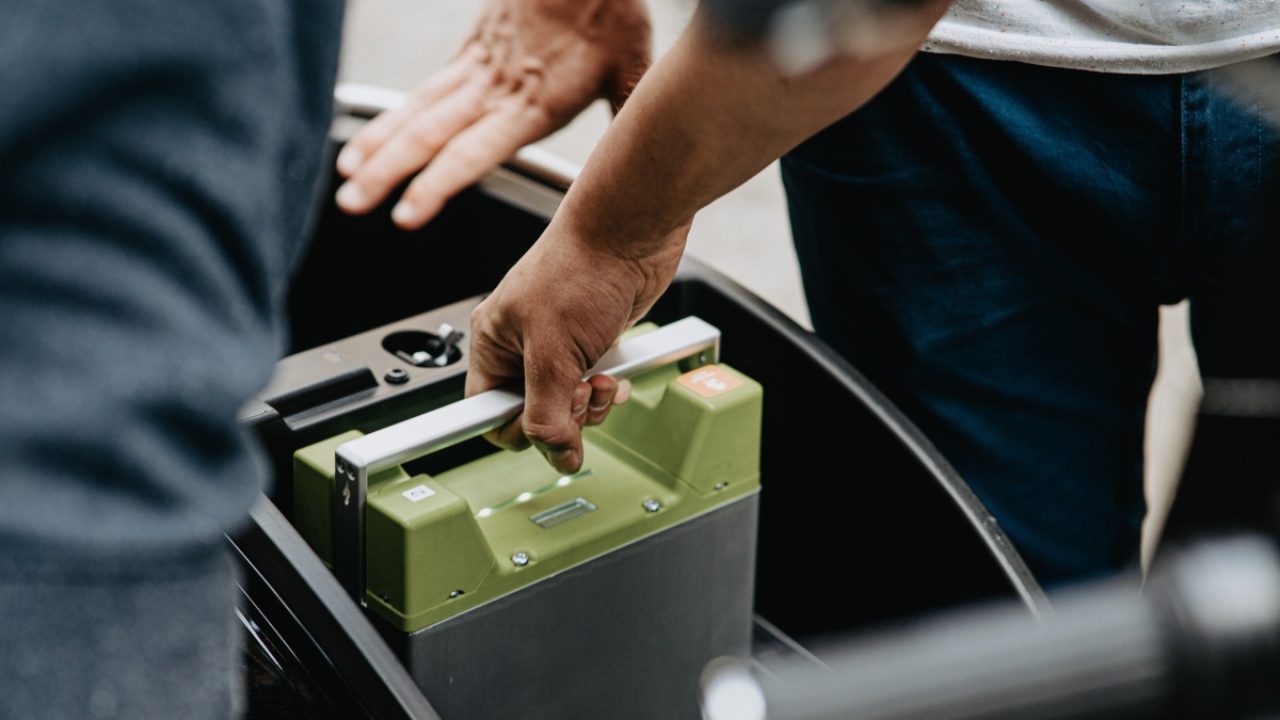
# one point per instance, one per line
(651, 505)
(520, 559)
(396, 376)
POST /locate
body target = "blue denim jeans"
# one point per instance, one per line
(990, 241)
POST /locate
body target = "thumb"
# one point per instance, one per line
(555, 406)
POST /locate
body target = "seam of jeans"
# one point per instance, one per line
(1183, 205)
(1258, 120)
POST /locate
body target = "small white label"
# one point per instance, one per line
(421, 492)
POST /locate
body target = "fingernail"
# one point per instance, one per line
(350, 160)
(403, 213)
(597, 408)
(566, 461)
(624, 392)
(350, 197)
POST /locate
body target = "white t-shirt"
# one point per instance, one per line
(1119, 36)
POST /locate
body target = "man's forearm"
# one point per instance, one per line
(705, 119)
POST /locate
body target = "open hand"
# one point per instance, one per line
(528, 68)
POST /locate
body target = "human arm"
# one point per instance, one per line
(705, 118)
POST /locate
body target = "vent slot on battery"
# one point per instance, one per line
(323, 391)
(562, 513)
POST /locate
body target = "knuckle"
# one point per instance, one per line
(422, 136)
(474, 52)
(488, 317)
(511, 436)
(497, 76)
(499, 438)
(374, 178)
(554, 437)
(480, 314)
(467, 155)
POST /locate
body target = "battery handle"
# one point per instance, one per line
(410, 439)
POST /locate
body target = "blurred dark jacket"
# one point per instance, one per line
(157, 166)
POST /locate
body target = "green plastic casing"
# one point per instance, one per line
(440, 545)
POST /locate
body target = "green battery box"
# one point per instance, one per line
(511, 590)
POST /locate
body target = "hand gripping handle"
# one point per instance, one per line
(465, 419)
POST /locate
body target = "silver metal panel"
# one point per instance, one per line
(623, 636)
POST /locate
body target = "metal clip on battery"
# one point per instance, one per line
(396, 444)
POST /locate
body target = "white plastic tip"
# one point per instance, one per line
(732, 694)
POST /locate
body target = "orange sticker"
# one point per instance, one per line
(709, 381)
